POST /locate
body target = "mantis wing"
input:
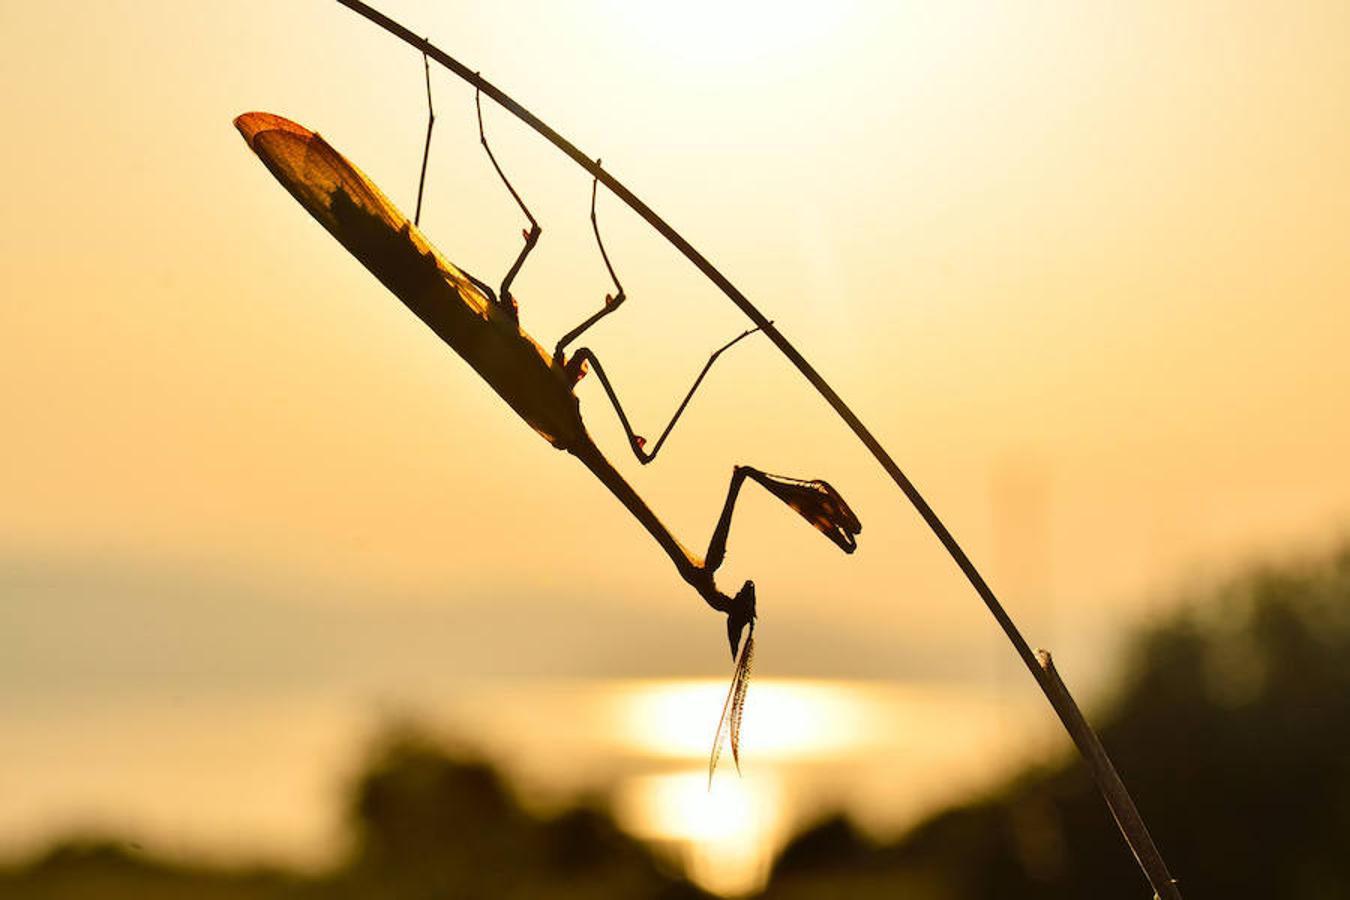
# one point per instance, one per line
(455, 306)
(313, 171)
(348, 204)
(730, 723)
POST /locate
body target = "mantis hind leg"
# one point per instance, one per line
(422, 178)
(426, 147)
(531, 236)
(576, 367)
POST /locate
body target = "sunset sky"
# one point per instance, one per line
(1083, 268)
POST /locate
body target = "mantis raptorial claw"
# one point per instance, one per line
(729, 725)
(821, 505)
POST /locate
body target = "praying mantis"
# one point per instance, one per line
(483, 327)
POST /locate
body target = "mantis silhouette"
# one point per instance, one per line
(820, 504)
(483, 327)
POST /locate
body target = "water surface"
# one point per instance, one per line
(262, 775)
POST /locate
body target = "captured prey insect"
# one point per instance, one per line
(482, 327)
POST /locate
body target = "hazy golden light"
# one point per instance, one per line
(893, 751)
(716, 38)
(728, 832)
(1091, 254)
(788, 718)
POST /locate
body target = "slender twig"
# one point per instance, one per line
(1108, 781)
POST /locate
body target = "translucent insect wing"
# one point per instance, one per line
(319, 177)
(729, 725)
(312, 170)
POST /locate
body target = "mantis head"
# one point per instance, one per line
(741, 614)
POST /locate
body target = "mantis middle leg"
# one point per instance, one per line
(612, 301)
(636, 442)
(586, 356)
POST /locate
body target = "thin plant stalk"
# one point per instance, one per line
(1040, 666)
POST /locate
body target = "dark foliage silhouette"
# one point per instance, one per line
(425, 824)
(1233, 727)
(432, 825)
(1249, 787)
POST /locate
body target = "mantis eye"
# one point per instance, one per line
(819, 504)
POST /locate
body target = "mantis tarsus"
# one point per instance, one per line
(482, 326)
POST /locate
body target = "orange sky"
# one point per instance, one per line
(1083, 269)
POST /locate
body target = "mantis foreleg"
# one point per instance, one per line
(815, 501)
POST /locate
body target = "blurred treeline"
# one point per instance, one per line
(1231, 727)
(426, 823)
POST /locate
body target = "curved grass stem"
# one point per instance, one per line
(1089, 746)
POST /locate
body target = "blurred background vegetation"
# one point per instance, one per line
(1230, 724)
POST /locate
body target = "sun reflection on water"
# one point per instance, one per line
(787, 719)
(885, 751)
(724, 835)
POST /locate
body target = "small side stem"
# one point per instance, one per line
(1131, 824)
(1108, 782)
